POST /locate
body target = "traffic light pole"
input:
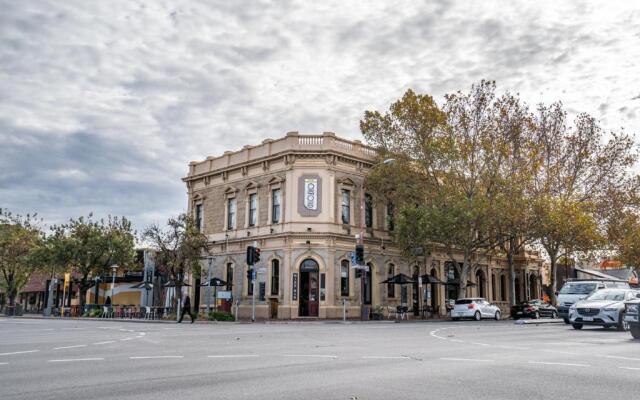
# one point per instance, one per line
(253, 287)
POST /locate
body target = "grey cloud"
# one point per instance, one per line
(105, 103)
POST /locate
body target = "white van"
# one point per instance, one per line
(575, 290)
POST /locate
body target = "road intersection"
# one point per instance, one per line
(479, 360)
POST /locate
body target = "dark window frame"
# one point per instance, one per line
(345, 214)
(275, 277)
(276, 206)
(253, 209)
(344, 281)
(231, 213)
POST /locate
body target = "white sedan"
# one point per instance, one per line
(476, 308)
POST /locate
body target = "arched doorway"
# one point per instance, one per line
(366, 280)
(452, 277)
(480, 283)
(434, 292)
(533, 287)
(309, 299)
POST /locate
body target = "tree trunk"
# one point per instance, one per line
(553, 281)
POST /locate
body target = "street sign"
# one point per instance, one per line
(352, 255)
(224, 294)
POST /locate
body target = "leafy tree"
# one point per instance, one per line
(19, 237)
(514, 219)
(89, 248)
(449, 160)
(578, 174)
(179, 247)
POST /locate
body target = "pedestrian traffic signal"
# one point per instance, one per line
(256, 255)
(250, 255)
(250, 274)
(359, 254)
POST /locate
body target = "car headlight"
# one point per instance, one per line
(572, 308)
(611, 309)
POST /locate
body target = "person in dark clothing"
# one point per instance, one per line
(186, 308)
(107, 302)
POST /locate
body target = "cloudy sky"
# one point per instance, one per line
(104, 103)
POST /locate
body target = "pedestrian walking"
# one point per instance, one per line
(186, 308)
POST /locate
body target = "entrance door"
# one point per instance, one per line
(309, 299)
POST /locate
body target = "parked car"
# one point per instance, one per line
(632, 316)
(604, 308)
(575, 290)
(533, 309)
(476, 308)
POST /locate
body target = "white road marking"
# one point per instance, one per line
(4, 363)
(561, 352)
(481, 344)
(386, 357)
(630, 368)
(152, 357)
(456, 340)
(19, 352)
(48, 329)
(558, 363)
(76, 359)
(129, 338)
(233, 356)
(311, 355)
(107, 342)
(70, 347)
(622, 358)
(466, 359)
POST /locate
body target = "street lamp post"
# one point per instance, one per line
(114, 267)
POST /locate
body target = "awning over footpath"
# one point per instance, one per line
(37, 283)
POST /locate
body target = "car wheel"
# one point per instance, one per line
(566, 321)
(577, 326)
(456, 319)
(477, 316)
(606, 326)
(536, 315)
(622, 324)
(554, 315)
(635, 331)
(497, 316)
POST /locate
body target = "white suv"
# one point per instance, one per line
(476, 308)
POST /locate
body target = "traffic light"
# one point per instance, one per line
(250, 255)
(250, 274)
(256, 255)
(359, 254)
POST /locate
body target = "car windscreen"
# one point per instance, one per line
(612, 295)
(578, 288)
(464, 301)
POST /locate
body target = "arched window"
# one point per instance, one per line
(275, 277)
(344, 278)
(391, 288)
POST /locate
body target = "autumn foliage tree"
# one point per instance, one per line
(19, 237)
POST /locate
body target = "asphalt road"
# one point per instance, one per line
(54, 359)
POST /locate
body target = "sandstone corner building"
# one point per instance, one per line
(298, 197)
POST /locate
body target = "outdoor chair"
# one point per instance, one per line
(107, 312)
(150, 313)
(392, 312)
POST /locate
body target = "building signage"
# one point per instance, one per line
(224, 294)
(311, 194)
(294, 287)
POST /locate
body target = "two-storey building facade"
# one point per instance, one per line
(300, 199)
